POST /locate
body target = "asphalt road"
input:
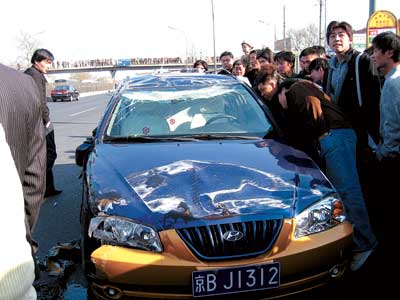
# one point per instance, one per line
(59, 216)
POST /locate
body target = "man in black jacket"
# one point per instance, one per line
(353, 84)
(41, 61)
(341, 85)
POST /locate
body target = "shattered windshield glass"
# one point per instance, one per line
(164, 111)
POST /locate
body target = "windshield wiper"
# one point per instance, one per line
(178, 138)
(223, 137)
(146, 139)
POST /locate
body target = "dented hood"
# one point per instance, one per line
(176, 185)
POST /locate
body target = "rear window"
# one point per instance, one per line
(61, 88)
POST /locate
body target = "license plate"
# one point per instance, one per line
(234, 280)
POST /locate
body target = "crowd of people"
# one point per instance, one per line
(343, 111)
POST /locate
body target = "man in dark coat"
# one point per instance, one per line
(21, 117)
(341, 84)
(358, 97)
(41, 61)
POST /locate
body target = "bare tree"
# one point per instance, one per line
(26, 44)
(304, 37)
(79, 77)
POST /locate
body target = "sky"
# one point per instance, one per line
(117, 29)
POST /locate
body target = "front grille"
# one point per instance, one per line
(207, 242)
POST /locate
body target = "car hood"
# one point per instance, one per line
(177, 185)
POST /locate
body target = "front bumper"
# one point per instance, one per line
(306, 263)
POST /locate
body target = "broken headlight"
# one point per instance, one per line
(124, 232)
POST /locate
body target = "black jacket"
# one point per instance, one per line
(364, 119)
(41, 81)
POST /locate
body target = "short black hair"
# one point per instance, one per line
(226, 53)
(343, 25)
(267, 54)
(388, 41)
(318, 63)
(238, 61)
(309, 51)
(285, 56)
(320, 50)
(41, 54)
(269, 73)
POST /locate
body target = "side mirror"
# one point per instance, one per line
(83, 150)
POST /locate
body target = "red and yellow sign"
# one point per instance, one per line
(380, 21)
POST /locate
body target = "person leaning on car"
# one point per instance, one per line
(314, 117)
(41, 61)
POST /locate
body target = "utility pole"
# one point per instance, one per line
(213, 22)
(326, 42)
(371, 7)
(320, 23)
(284, 28)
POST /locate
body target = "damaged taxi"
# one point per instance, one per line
(187, 192)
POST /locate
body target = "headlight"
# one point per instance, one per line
(319, 217)
(124, 232)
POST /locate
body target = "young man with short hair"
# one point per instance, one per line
(41, 62)
(318, 70)
(354, 86)
(306, 56)
(386, 55)
(226, 59)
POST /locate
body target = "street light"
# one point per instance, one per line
(284, 28)
(186, 42)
